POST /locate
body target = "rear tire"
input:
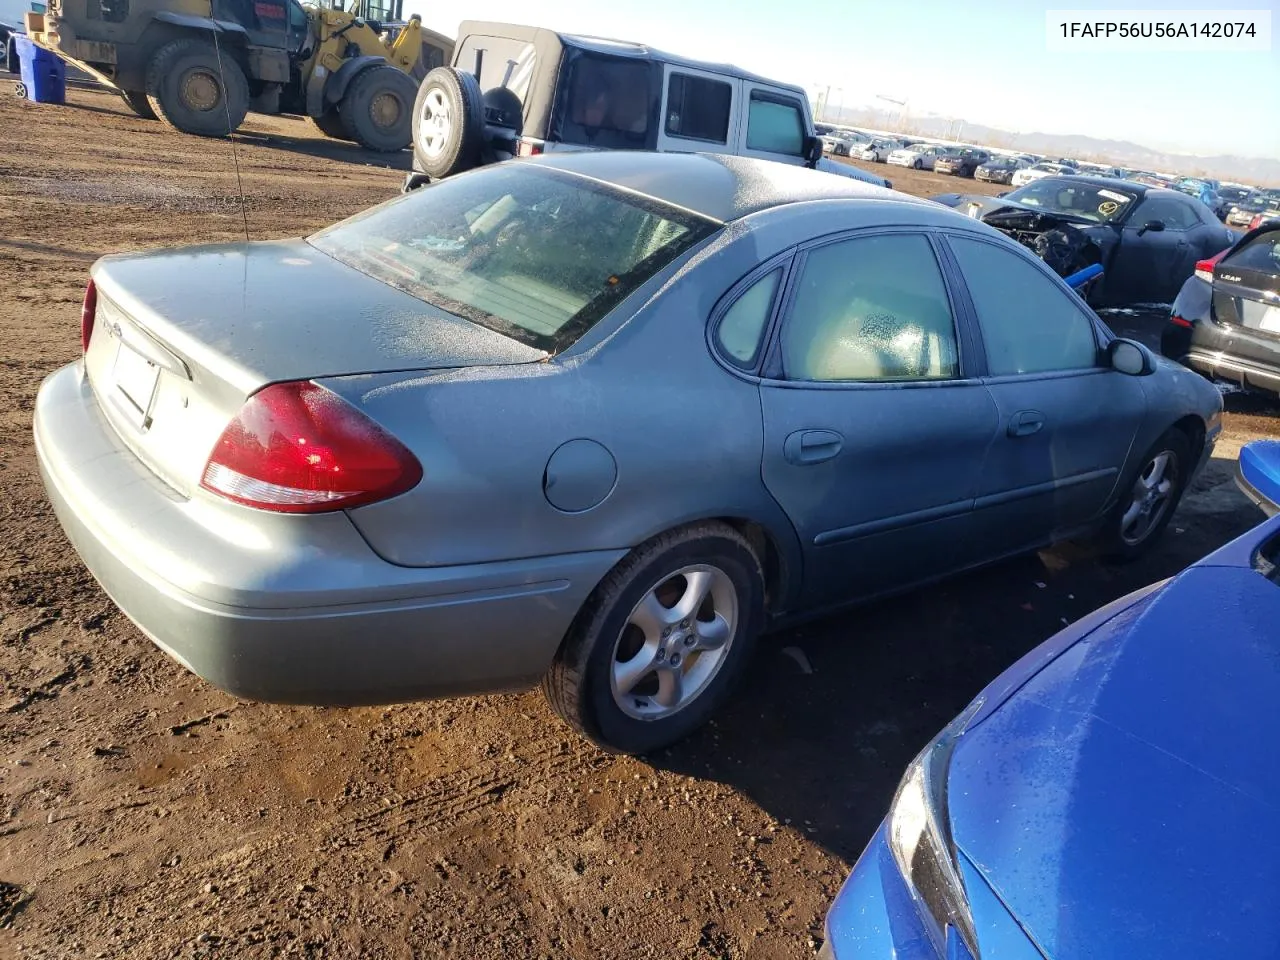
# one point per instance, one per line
(917, 165)
(330, 124)
(661, 641)
(194, 90)
(1144, 510)
(377, 109)
(448, 123)
(136, 100)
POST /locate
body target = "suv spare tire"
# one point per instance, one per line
(448, 123)
(375, 109)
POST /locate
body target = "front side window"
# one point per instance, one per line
(1172, 212)
(608, 101)
(698, 108)
(743, 324)
(871, 309)
(775, 124)
(1029, 324)
(533, 253)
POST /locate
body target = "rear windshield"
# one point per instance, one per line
(1261, 253)
(533, 253)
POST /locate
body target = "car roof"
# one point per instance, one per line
(621, 48)
(719, 186)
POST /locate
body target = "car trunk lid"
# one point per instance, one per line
(182, 338)
(1246, 297)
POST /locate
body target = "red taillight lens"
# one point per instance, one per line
(1204, 268)
(88, 311)
(527, 149)
(1178, 321)
(297, 448)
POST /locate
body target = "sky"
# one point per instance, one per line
(986, 62)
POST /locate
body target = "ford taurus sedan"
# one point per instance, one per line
(1107, 796)
(595, 419)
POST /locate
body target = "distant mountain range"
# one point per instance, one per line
(1121, 153)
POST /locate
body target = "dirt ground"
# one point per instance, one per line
(146, 815)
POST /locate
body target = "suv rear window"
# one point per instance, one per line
(607, 102)
(1260, 253)
(533, 253)
(497, 56)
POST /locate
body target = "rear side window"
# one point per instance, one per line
(775, 124)
(1029, 325)
(698, 108)
(533, 253)
(743, 324)
(608, 102)
(1260, 253)
(870, 308)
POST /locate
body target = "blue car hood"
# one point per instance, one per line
(1125, 802)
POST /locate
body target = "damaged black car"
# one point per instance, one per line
(1146, 240)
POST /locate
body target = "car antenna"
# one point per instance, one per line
(235, 153)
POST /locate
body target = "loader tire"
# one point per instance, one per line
(136, 100)
(448, 123)
(195, 88)
(330, 124)
(377, 109)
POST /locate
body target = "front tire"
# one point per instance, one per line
(661, 641)
(377, 109)
(194, 90)
(1143, 512)
(917, 165)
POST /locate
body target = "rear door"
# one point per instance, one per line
(874, 433)
(1067, 420)
(699, 111)
(1246, 299)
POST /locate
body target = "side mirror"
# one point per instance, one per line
(812, 150)
(1130, 357)
(1155, 226)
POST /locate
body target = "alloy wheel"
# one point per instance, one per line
(674, 642)
(1151, 497)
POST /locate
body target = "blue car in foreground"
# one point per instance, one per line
(1114, 794)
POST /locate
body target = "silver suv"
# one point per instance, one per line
(515, 91)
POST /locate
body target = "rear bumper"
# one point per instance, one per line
(292, 609)
(1224, 366)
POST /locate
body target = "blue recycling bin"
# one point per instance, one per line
(42, 73)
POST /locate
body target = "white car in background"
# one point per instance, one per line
(843, 143)
(1025, 176)
(919, 156)
(877, 150)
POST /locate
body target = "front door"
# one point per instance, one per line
(874, 438)
(1152, 267)
(776, 125)
(1067, 421)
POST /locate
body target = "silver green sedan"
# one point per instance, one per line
(596, 420)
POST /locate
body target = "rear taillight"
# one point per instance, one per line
(528, 149)
(1178, 321)
(1204, 268)
(298, 448)
(88, 310)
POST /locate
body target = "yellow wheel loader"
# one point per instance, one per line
(201, 65)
